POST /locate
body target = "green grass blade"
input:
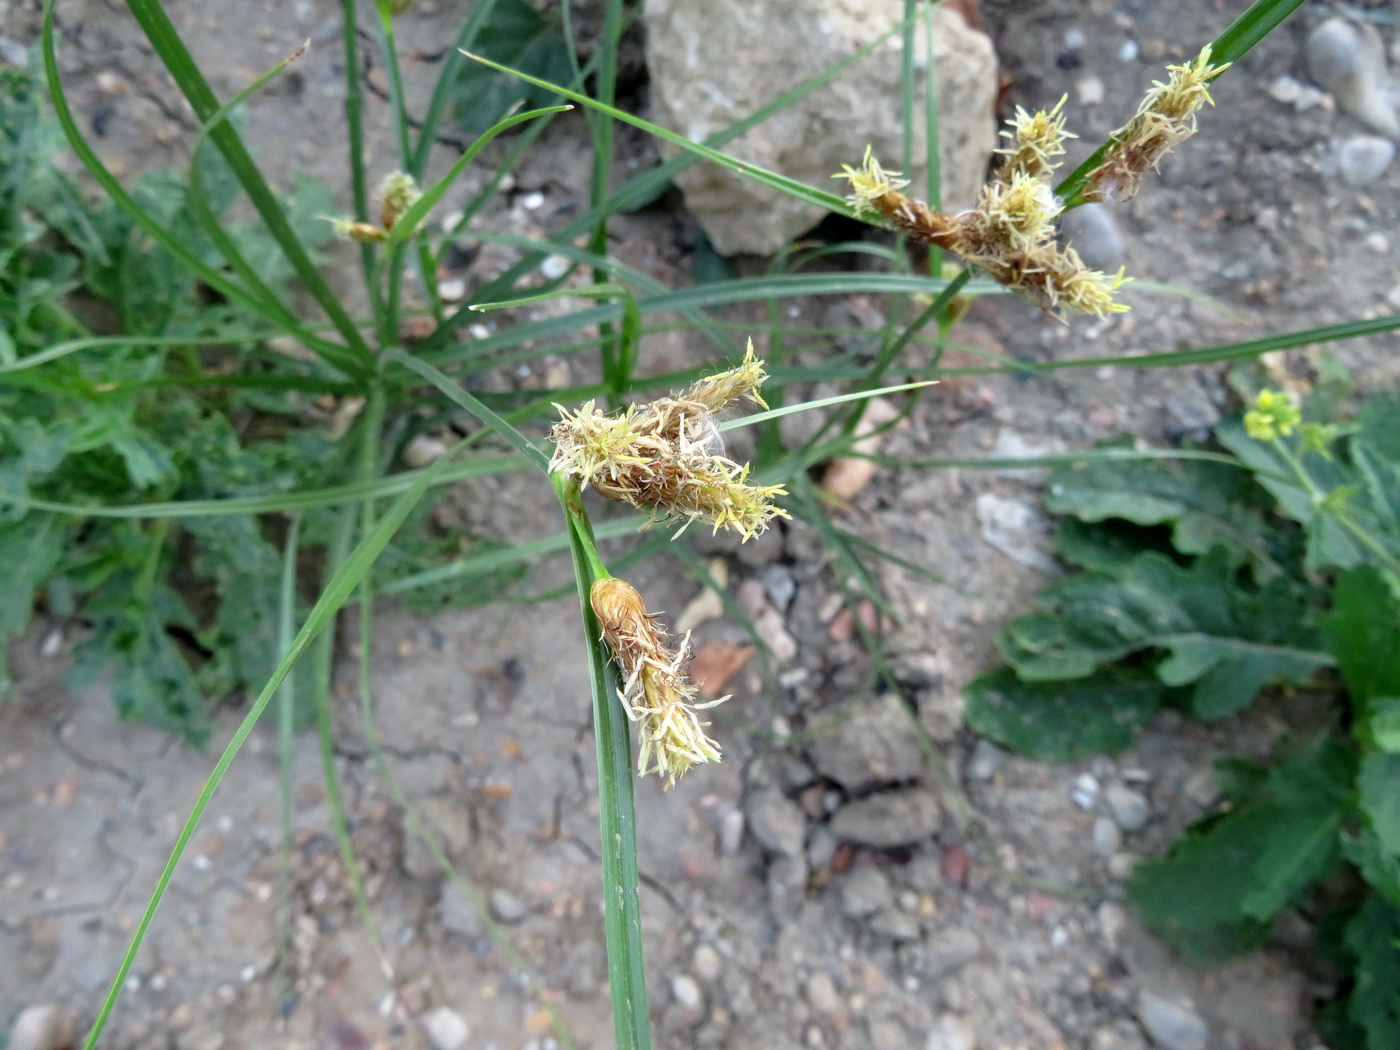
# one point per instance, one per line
(286, 502)
(159, 30)
(442, 89)
(344, 360)
(341, 585)
(1251, 27)
(622, 913)
(825, 402)
(773, 180)
(473, 405)
(286, 724)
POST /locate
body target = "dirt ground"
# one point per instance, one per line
(769, 921)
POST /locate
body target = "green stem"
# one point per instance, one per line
(622, 912)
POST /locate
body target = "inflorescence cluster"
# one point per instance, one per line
(1010, 234)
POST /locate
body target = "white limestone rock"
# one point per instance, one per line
(713, 62)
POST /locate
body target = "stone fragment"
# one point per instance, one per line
(940, 953)
(1171, 1024)
(986, 759)
(507, 907)
(1363, 159)
(45, 1026)
(445, 1028)
(713, 62)
(776, 823)
(1348, 59)
(875, 745)
(863, 891)
(888, 819)
(951, 1032)
(1130, 809)
(1018, 529)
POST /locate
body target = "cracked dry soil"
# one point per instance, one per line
(769, 920)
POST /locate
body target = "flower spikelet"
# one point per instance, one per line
(720, 391)
(397, 193)
(655, 691)
(1037, 139)
(1274, 415)
(666, 457)
(872, 187)
(1166, 118)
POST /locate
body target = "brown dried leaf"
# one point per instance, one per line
(714, 663)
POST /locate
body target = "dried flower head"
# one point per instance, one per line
(1037, 139)
(655, 692)
(666, 457)
(397, 193)
(1016, 215)
(872, 187)
(349, 229)
(1166, 118)
(1274, 415)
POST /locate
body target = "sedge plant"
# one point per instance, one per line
(664, 456)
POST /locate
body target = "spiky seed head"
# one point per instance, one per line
(723, 389)
(397, 193)
(1037, 138)
(872, 187)
(655, 692)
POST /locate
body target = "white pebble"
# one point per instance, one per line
(1129, 51)
(554, 266)
(1363, 159)
(1377, 242)
(1075, 39)
(687, 992)
(1349, 61)
(445, 1028)
(1085, 791)
(532, 201)
(1090, 91)
(452, 289)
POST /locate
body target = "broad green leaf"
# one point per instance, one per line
(1378, 866)
(1373, 937)
(1213, 894)
(1363, 633)
(1379, 786)
(1227, 638)
(1106, 546)
(1206, 504)
(514, 35)
(1062, 721)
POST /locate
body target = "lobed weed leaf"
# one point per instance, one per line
(515, 35)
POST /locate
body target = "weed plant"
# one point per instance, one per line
(172, 482)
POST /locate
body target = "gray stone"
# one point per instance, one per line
(1085, 791)
(776, 823)
(1130, 809)
(708, 963)
(1363, 159)
(779, 585)
(787, 881)
(507, 907)
(1017, 528)
(1348, 59)
(951, 1032)
(1091, 231)
(940, 953)
(1170, 1023)
(822, 994)
(459, 915)
(1107, 838)
(986, 759)
(45, 1026)
(888, 819)
(874, 745)
(894, 925)
(707, 73)
(863, 891)
(821, 848)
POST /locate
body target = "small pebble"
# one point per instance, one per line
(1090, 91)
(1171, 1024)
(452, 289)
(1085, 791)
(1112, 921)
(686, 991)
(554, 266)
(1377, 242)
(708, 963)
(1128, 52)
(779, 585)
(507, 907)
(950, 1032)
(1363, 159)
(986, 759)
(1075, 39)
(822, 994)
(1121, 865)
(1129, 808)
(731, 832)
(1293, 92)
(1107, 838)
(445, 1028)
(532, 201)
